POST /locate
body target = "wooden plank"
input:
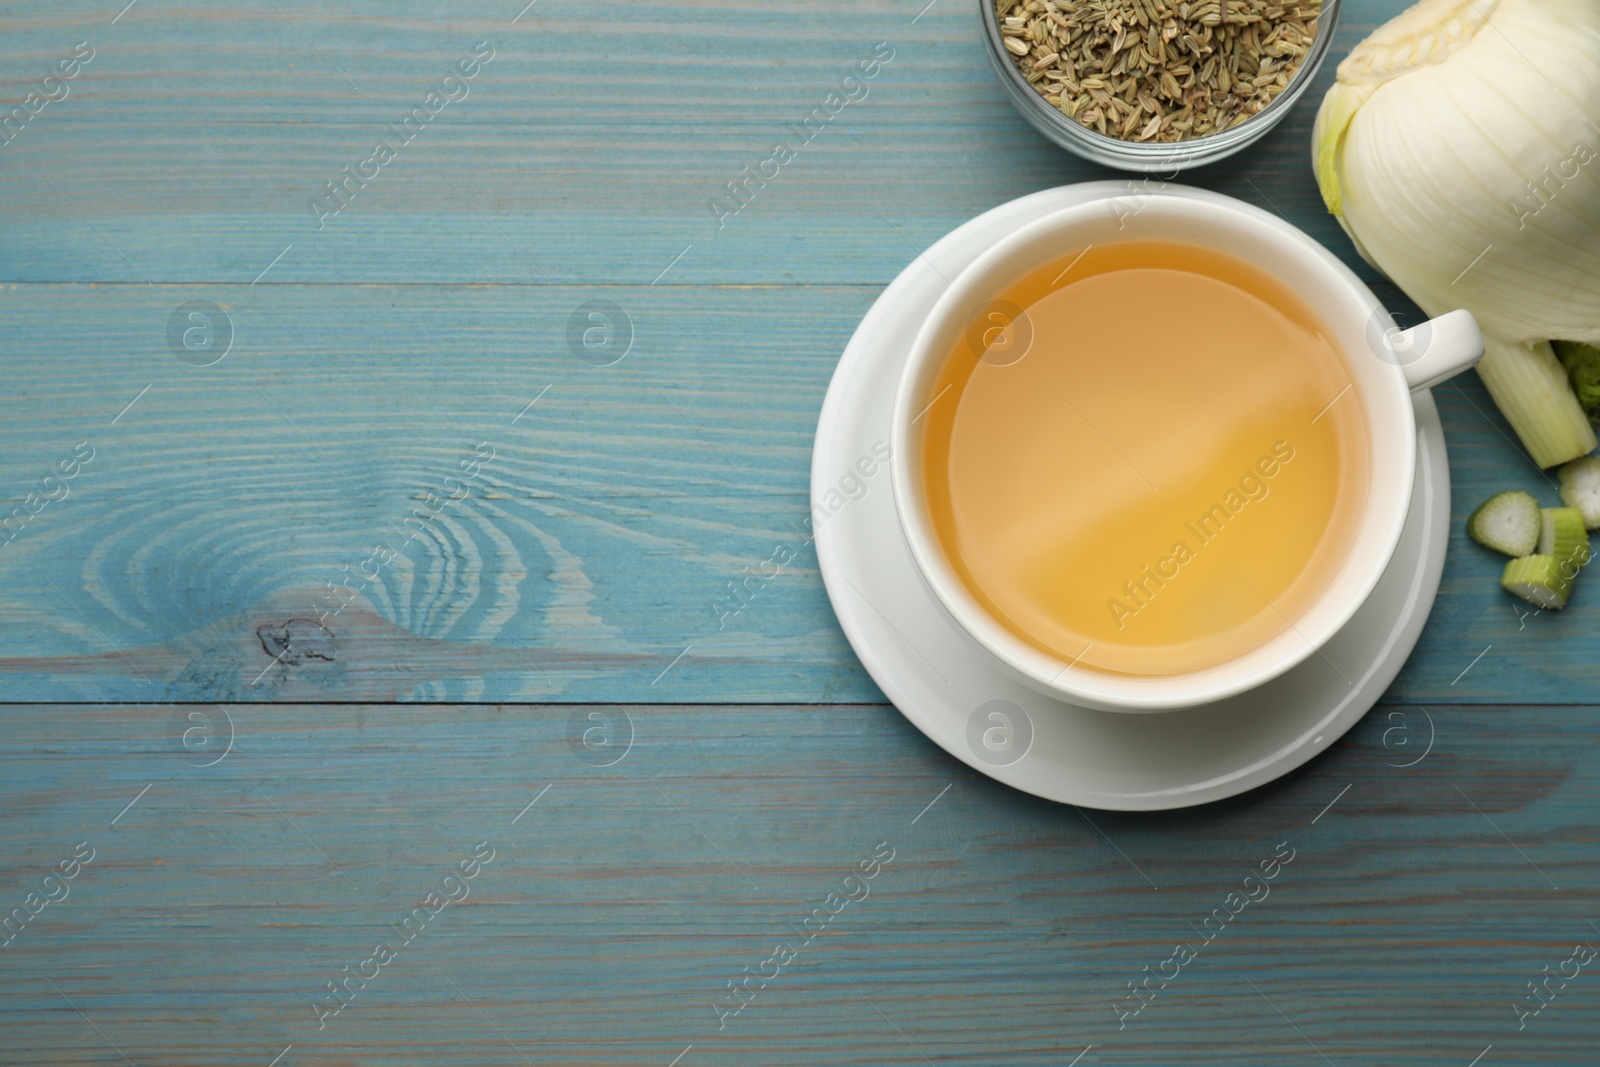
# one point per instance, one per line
(222, 503)
(585, 556)
(570, 158)
(616, 908)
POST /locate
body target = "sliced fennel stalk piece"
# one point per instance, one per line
(1580, 488)
(1508, 522)
(1562, 534)
(1540, 580)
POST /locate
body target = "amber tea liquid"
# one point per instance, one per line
(1158, 468)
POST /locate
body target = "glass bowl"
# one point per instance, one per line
(1148, 156)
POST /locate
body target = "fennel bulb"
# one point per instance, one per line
(1460, 149)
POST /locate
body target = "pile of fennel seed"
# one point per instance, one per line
(1158, 70)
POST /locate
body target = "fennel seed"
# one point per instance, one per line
(1158, 70)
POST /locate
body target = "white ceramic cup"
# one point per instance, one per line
(1385, 365)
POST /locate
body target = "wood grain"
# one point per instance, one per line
(597, 163)
(584, 557)
(622, 902)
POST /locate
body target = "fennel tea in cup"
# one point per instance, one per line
(1149, 459)
(1165, 477)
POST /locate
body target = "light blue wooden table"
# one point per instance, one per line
(530, 686)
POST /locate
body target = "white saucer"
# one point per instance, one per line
(958, 695)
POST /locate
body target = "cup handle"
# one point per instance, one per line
(1438, 349)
